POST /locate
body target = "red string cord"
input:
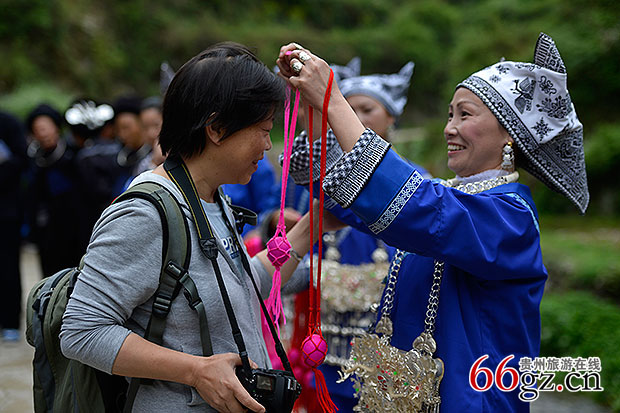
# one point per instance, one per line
(314, 346)
(328, 94)
(311, 292)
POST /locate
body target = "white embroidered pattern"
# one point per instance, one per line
(355, 171)
(391, 212)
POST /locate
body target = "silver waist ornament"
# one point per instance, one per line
(386, 378)
(347, 294)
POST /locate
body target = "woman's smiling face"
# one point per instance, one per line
(242, 150)
(474, 135)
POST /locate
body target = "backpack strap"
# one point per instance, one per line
(40, 361)
(176, 253)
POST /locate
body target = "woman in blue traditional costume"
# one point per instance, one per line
(474, 238)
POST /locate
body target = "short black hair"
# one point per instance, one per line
(127, 104)
(152, 102)
(44, 110)
(225, 86)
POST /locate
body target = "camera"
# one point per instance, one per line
(277, 390)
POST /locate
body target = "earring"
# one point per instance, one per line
(508, 158)
(390, 133)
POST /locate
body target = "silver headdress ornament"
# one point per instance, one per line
(389, 90)
(166, 74)
(89, 114)
(532, 102)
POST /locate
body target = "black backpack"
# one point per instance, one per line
(65, 385)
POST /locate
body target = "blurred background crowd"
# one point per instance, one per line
(81, 86)
(59, 171)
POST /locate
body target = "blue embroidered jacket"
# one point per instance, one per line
(493, 279)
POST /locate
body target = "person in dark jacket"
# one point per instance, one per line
(130, 133)
(13, 162)
(54, 201)
(96, 162)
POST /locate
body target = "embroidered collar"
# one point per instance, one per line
(477, 186)
(482, 176)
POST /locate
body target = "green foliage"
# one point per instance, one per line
(603, 150)
(578, 324)
(103, 49)
(425, 146)
(24, 99)
(582, 253)
(602, 158)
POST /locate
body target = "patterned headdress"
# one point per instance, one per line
(532, 102)
(389, 90)
(352, 69)
(166, 74)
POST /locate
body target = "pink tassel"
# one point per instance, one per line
(278, 247)
(276, 363)
(322, 394)
(274, 302)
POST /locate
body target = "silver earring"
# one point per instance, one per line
(390, 133)
(508, 158)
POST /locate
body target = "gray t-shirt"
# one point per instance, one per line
(216, 220)
(114, 296)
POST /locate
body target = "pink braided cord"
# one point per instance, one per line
(278, 247)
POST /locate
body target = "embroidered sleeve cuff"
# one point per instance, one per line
(347, 178)
(300, 160)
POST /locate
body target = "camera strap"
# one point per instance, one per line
(177, 170)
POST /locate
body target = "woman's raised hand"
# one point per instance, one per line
(310, 74)
(306, 72)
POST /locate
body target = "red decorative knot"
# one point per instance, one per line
(278, 251)
(314, 349)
